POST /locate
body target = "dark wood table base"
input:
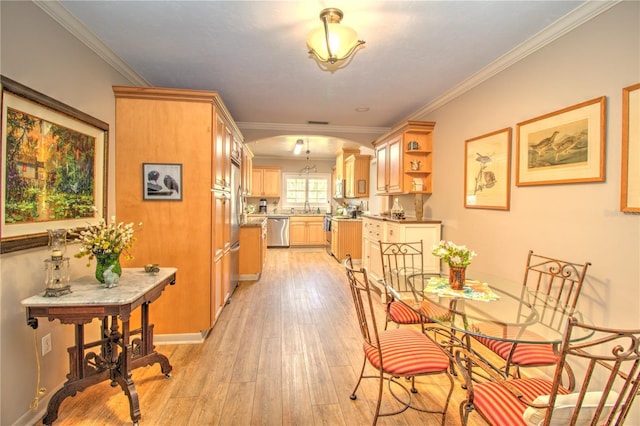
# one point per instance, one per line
(113, 357)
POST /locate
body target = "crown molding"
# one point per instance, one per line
(585, 12)
(62, 16)
(311, 128)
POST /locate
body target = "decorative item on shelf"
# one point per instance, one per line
(106, 242)
(415, 165)
(397, 212)
(413, 146)
(458, 258)
(57, 266)
(417, 184)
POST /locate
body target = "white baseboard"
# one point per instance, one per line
(180, 339)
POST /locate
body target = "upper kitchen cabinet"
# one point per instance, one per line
(341, 156)
(389, 166)
(247, 170)
(266, 181)
(356, 172)
(190, 128)
(404, 159)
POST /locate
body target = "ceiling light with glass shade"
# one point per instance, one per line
(298, 147)
(333, 43)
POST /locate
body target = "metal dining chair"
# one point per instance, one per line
(553, 288)
(609, 362)
(400, 352)
(399, 262)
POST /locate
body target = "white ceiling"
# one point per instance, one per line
(418, 54)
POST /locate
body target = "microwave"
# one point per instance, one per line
(339, 189)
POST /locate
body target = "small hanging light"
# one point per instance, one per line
(308, 169)
(333, 42)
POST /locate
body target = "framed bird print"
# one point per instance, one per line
(487, 171)
(162, 182)
(565, 146)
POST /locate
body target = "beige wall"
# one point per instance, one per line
(576, 221)
(40, 54)
(580, 221)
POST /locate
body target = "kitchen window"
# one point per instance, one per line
(312, 187)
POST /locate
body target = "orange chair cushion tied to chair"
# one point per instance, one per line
(402, 314)
(501, 407)
(407, 352)
(524, 354)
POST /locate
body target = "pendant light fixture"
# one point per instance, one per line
(308, 169)
(332, 43)
(299, 146)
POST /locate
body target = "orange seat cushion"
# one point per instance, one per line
(524, 354)
(407, 352)
(500, 407)
(402, 314)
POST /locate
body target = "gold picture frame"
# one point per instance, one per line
(630, 182)
(54, 167)
(487, 171)
(565, 146)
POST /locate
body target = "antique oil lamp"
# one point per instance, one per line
(57, 266)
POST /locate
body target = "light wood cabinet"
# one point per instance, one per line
(357, 176)
(346, 238)
(177, 126)
(247, 170)
(306, 231)
(389, 166)
(408, 144)
(253, 251)
(266, 181)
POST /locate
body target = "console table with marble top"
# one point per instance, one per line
(119, 349)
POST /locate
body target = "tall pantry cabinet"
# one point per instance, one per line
(195, 130)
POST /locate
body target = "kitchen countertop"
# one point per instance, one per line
(253, 222)
(405, 220)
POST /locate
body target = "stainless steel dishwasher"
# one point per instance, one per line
(278, 231)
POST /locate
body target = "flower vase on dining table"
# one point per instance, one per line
(457, 277)
(104, 261)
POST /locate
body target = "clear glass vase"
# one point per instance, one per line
(104, 261)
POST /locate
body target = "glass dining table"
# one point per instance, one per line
(488, 306)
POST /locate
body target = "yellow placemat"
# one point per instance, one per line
(472, 290)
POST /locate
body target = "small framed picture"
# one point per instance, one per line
(487, 176)
(162, 182)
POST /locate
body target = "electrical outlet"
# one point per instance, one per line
(46, 344)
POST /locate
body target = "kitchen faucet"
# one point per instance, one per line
(307, 206)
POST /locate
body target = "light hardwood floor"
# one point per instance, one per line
(285, 351)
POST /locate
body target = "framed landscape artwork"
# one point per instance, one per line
(53, 167)
(565, 146)
(487, 171)
(630, 191)
(162, 182)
